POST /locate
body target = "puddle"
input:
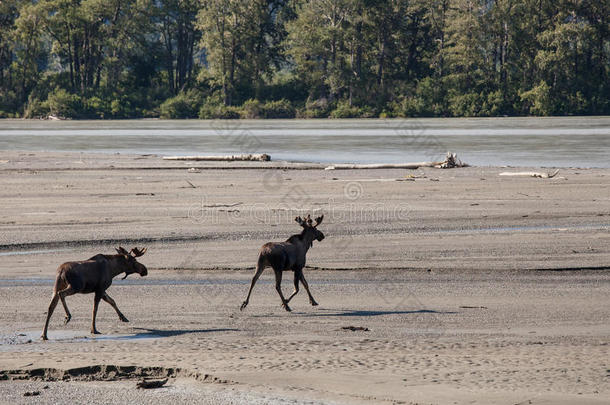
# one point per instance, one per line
(67, 336)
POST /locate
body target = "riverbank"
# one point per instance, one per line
(453, 272)
(202, 212)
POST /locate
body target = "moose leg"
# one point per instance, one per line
(259, 270)
(278, 287)
(52, 306)
(311, 300)
(109, 300)
(62, 296)
(96, 302)
(296, 286)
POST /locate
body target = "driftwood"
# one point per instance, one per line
(261, 157)
(450, 161)
(355, 328)
(541, 175)
(148, 384)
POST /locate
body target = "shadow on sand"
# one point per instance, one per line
(353, 312)
(161, 333)
(321, 312)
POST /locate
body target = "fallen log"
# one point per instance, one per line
(149, 384)
(540, 175)
(450, 161)
(260, 157)
(347, 166)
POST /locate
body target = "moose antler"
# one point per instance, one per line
(319, 220)
(137, 252)
(309, 220)
(300, 221)
(120, 250)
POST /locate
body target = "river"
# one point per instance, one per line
(560, 142)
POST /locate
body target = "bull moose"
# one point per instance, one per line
(288, 255)
(93, 276)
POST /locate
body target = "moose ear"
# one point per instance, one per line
(121, 251)
(319, 220)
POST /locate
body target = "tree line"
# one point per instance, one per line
(299, 58)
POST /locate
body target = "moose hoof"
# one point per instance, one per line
(67, 319)
(96, 332)
(287, 308)
(44, 337)
(243, 306)
(314, 304)
(123, 319)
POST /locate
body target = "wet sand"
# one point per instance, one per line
(475, 288)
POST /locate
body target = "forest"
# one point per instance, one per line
(208, 59)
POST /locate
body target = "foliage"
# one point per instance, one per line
(278, 109)
(63, 104)
(272, 109)
(213, 109)
(297, 58)
(184, 105)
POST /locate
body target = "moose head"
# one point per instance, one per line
(130, 264)
(310, 227)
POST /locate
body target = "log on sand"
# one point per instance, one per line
(260, 157)
(450, 161)
(541, 175)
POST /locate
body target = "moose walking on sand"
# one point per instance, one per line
(93, 276)
(289, 255)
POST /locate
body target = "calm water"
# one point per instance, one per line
(579, 141)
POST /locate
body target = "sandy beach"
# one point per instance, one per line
(435, 286)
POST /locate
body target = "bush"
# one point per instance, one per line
(210, 111)
(425, 100)
(64, 104)
(272, 109)
(120, 108)
(278, 109)
(184, 105)
(36, 108)
(314, 109)
(344, 110)
(96, 107)
(465, 105)
(251, 109)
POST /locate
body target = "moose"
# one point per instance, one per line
(288, 255)
(93, 276)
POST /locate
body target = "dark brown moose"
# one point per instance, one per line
(93, 276)
(289, 255)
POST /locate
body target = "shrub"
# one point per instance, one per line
(64, 104)
(465, 105)
(314, 109)
(184, 105)
(278, 109)
(344, 110)
(120, 108)
(210, 111)
(251, 109)
(36, 108)
(96, 107)
(538, 100)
